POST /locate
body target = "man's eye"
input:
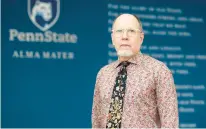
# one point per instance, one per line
(131, 30)
(119, 31)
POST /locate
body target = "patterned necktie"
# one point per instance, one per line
(116, 105)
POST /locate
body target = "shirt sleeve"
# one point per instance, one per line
(167, 99)
(96, 104)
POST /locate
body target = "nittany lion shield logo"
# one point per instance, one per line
(44, 13)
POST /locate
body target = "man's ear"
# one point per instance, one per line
(112, 39)
(142, 37)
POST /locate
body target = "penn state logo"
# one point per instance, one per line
(44, 13)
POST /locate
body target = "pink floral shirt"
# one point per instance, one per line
(150, 98)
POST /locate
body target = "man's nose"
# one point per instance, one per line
(125, 35)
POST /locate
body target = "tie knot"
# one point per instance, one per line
(125, 63)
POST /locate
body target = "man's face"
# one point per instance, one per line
(127, 36)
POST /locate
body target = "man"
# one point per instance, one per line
(136, 91)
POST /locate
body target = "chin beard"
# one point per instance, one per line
(125, 53)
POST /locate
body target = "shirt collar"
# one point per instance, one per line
(136, 59)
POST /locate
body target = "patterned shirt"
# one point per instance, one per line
(150, 99)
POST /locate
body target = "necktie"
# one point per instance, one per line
(116, 105)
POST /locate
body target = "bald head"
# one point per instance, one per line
(126, 19)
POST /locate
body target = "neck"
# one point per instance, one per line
(125, 58)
